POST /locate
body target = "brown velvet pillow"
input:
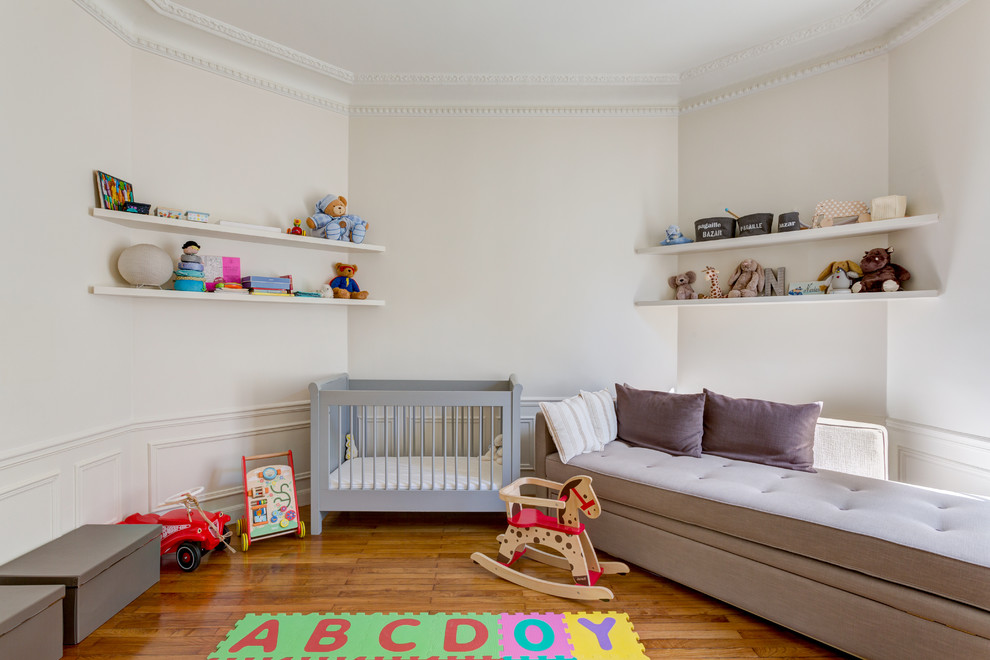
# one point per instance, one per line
(777, 434)
(671, 423)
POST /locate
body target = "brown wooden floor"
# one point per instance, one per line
(376, 562)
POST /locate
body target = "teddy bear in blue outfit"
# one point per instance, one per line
(343, 285)
(332, 221)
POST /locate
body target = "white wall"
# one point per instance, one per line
(111, 404)
(61, 119)
(510, 248)
(940, 158)
(781, 150)
(66, 362)
(246, 155)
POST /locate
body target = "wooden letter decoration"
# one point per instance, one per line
(774, 283)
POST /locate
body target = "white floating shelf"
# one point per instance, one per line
(801, 236)
(226, 297)
(154, 223)
(796, 300)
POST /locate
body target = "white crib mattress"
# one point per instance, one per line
(405, 473)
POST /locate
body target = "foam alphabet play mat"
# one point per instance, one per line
(562, 636)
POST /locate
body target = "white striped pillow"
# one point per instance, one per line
(570, 427)
(601, 409)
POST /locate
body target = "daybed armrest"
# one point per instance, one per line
(543, 446)
(851, 447)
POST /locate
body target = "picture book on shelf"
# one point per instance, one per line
(113, 193)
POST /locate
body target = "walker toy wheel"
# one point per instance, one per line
(245, 542)
(188, 556)
(301, 532)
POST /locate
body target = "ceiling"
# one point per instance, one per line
(654, 55)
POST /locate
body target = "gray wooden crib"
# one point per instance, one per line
(411, 445)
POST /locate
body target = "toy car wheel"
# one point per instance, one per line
(301, 532)
(188, 556)
(245, 542)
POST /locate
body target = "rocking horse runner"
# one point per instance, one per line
(564, 534)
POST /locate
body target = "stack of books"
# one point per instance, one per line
(268, 286)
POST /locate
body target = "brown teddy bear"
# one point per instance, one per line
(747, 280)
(682, 285)
(879, 274)
(343, 285)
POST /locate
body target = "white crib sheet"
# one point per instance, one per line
(404, 473)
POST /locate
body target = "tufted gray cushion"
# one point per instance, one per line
(931, 540)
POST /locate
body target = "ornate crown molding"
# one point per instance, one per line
(901, 35)
(244, 38)
(516, 79)
(825, 27)
(608, 111)
(99, 10)
(781, 79)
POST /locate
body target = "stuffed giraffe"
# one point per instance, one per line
(712, 276)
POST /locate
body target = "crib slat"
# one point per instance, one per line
(411, 425)
(422, 443)
(444, 427)
(374, 431)
(457, 443)
(471, 449)
(409, 444)
(433, 447)
(340, 445)
(491, 434)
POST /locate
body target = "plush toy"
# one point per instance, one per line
(682, 285)
(332, 221)
(495, 451)
(344, 285)
(839, 276)
(350, 450)
(747, 280)
(675, 237)
(323, 224)
(712, 275)
(879, 274)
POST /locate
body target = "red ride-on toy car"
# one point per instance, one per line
(187, 531)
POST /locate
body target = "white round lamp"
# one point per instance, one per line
(145, 265)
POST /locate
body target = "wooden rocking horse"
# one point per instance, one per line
(564, 534)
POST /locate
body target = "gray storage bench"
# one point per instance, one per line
(28, 614)
(102, 567)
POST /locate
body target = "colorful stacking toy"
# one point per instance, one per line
(189, 270)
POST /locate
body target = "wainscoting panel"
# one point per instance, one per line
(105, 475)
(98, 486)
(192, 458)
(939, 458)
(30, 509)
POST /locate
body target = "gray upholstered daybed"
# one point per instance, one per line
(875, 568)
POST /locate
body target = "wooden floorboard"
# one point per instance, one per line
(410, 562)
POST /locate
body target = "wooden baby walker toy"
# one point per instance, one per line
(564, 534)
(270, 500)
